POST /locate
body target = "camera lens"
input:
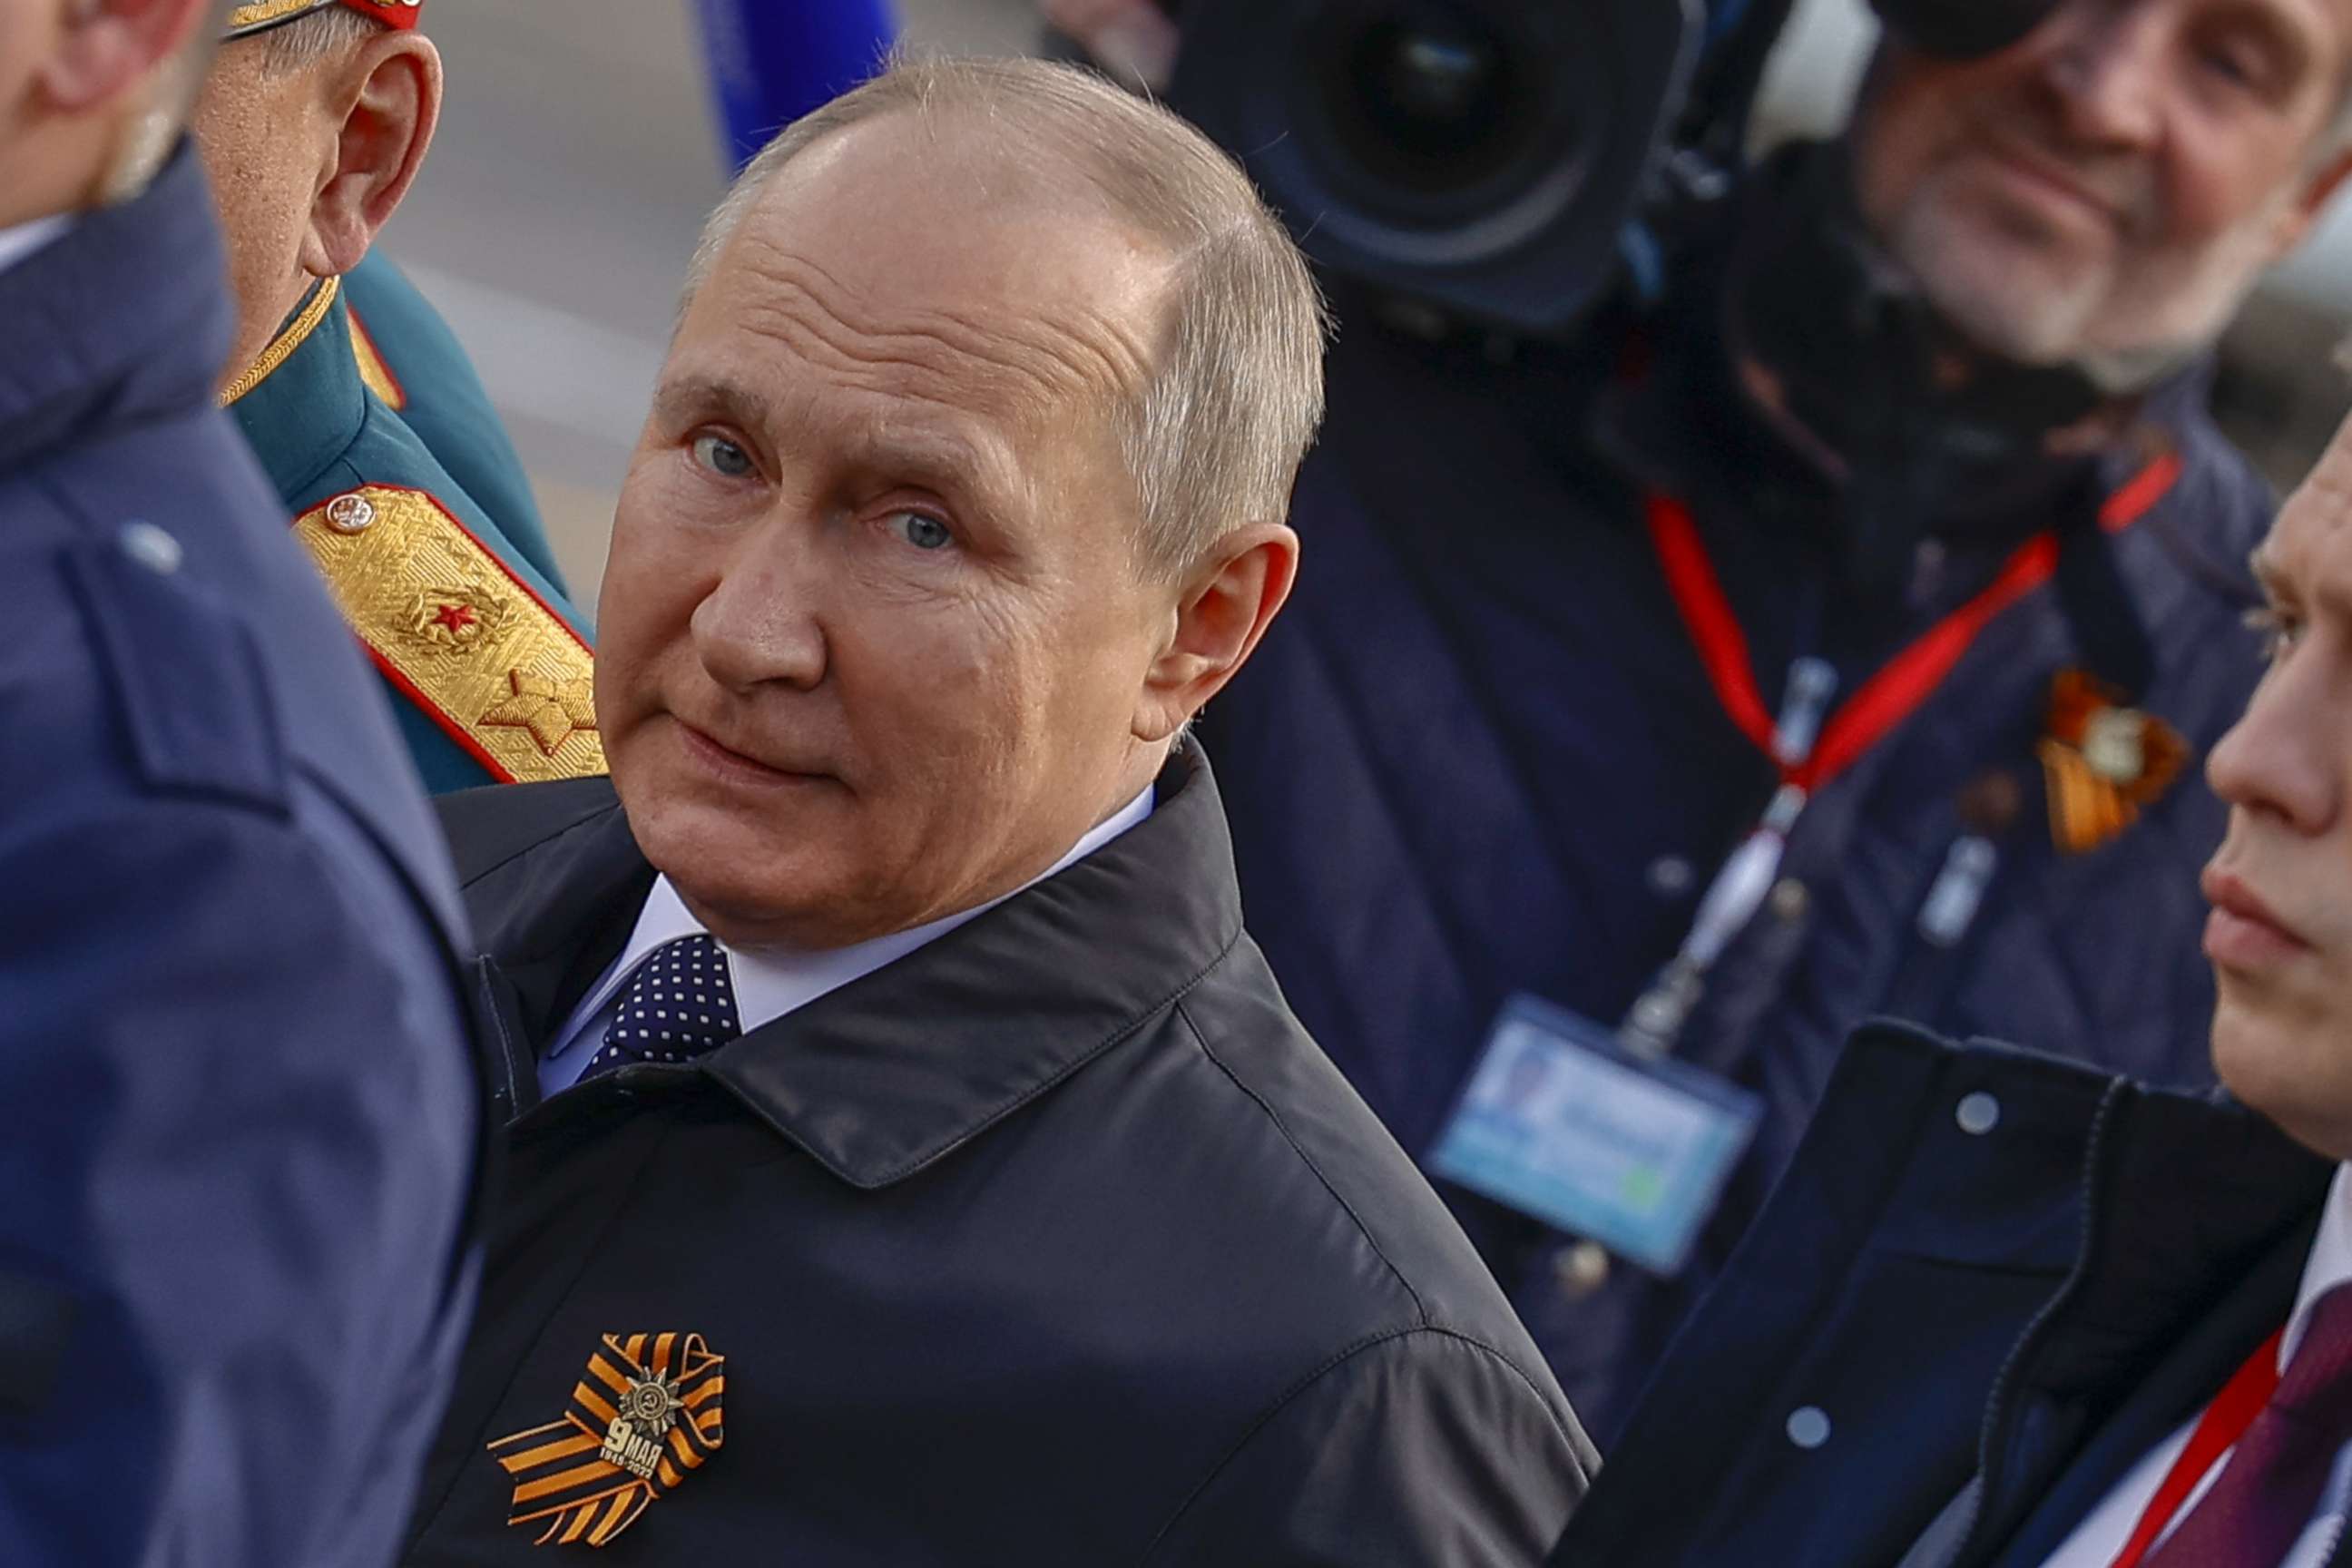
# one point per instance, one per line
(1422, 98)
(1483, 153)
(1435, 80)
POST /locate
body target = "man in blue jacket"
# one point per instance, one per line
(2007, 1311)
(1904, 505)
(235, 1256)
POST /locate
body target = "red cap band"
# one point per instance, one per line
(400, 13)
(263, 14)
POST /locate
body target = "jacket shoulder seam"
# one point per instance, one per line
(1420, 1308)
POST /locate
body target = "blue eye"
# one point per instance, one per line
(921, 529)
(721, 457)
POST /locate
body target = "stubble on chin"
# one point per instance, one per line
(2006, 293)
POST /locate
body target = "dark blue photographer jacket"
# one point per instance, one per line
(1479, 755)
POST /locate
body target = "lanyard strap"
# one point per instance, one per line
(2218, 1431)
(1906, 682)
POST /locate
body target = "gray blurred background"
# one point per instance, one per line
(577, 159)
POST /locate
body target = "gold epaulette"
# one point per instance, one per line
(459, 633)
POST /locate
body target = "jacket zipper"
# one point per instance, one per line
(2003, 1382)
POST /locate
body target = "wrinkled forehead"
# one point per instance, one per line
(900, 256)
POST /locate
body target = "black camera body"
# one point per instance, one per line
(1480, 156)
(1484, 158)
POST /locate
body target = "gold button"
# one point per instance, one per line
(350, 513)
(1790, 899)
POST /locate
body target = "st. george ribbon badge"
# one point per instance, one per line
(645, 1415)
(2104, 763)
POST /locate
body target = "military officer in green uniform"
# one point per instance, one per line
(313, 124)
(412, 362)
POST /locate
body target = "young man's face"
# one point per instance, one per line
(2281, 934)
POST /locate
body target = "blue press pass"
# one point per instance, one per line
(1562, 1123)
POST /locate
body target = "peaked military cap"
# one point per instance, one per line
(263, 14)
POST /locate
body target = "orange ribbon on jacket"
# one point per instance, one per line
(2104, 763)
(643, 1416)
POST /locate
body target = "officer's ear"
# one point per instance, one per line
(386, 99)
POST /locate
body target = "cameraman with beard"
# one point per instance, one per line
(1835, 634)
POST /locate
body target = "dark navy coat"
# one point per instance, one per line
(1055, 1242)
(1992, 1282)
(243, 1117)
(1478, 754)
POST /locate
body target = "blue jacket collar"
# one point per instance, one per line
(124, 318)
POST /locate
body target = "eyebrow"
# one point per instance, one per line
(940, 458)
(696, 396)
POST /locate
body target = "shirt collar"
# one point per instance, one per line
(22, 240)
(771, 982)
(2330, 1265)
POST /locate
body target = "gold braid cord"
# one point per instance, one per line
(645, 1415)
(282, 348)
(265, 13)
(459, 633)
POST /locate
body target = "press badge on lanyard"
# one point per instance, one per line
(1599, 1131)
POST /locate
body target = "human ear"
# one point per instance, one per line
(1224, 609)
(110, 47)
(385, 103)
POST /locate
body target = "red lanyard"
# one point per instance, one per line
(2224, 1422)
(1888, 698)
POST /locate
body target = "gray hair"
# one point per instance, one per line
(1214, 440)
(314, 39)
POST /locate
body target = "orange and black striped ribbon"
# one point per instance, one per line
(560, 1479)
(2088, 811)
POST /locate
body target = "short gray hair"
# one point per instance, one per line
(314, 39)
(1215, 437)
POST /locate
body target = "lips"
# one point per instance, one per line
(718, 754)
(2243, 931)
(2028, 166)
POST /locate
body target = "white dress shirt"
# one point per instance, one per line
(2105, 1532)
(21, 241)
(770, 981)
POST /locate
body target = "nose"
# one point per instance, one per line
(761, 625)
(2287, 758)
(2100, 70)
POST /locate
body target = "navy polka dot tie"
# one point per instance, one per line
(679, 1006)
